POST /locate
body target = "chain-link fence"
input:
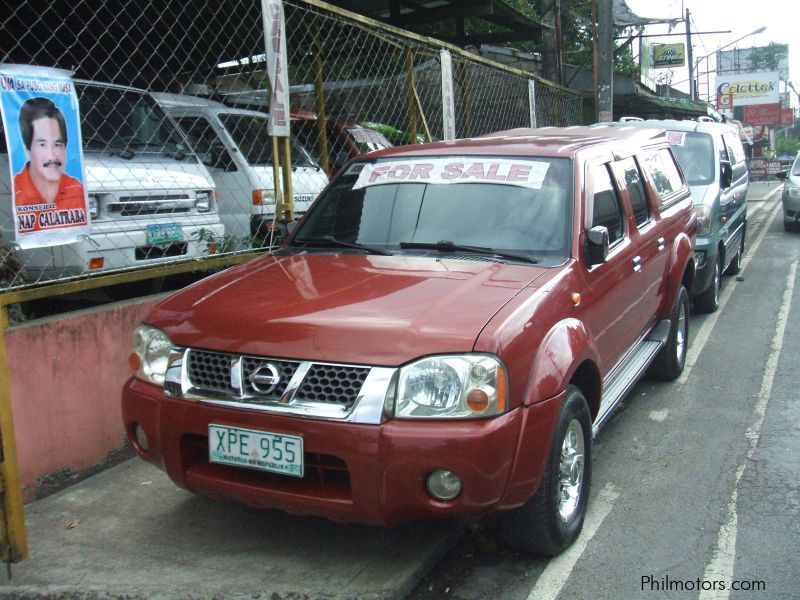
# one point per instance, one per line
(173, 95)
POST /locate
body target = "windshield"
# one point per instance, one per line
(796, 166)
(117, 120)
(250, 134)
(695, 152)
(364, 206)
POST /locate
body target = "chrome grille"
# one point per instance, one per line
(231, 376)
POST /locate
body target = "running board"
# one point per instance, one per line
(625, 376)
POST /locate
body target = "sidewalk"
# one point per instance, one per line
(129, 532)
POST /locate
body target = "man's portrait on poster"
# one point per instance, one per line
(42, 186)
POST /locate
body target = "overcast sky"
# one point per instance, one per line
(780, 17)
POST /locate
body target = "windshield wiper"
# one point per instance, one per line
(448, 246)
(329, 240)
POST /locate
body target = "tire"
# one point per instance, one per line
(736, 263)
(670, 360)
(708, 300)
(553, 517)
(789, 226)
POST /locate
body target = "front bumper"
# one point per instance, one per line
(372, 474)
(705, 252)
(791, 208)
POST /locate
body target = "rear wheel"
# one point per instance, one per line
(708, 300)
(553, 517)
(670, 360)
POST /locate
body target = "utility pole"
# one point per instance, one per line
(690, 60)
(604, 60)
(550, 15)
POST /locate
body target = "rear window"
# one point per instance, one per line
(664, 172)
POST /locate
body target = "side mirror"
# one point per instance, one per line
(782, 175)
(597, 245)
(726, 174)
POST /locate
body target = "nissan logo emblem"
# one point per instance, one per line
(265, 378)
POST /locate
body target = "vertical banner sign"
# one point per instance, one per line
(532, 100)
(275, 34)
(448, 104)
(45, 153)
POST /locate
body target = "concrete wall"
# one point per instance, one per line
(65, 375)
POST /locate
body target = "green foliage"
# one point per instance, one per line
(220, 244)
(768, 58)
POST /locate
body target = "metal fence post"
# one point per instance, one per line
(319, 99)
(13, 536)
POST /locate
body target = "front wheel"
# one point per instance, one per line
(708, 300)
(553, 517)
(670, 360)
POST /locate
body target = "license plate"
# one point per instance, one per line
(256, 449)
(164, 233)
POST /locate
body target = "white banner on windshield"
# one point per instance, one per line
(448, 103)
(275, 40)
(442, 171)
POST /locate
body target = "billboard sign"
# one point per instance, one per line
(763, 114)
(748, 89)
(669, 55)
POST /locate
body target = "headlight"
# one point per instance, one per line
(793, 191)
(264, 197)
(703, 219)
(151, 349)
(94, 206)
(204, 200)
(459, 386)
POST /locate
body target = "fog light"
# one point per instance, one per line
(141, 438)
(443, 485)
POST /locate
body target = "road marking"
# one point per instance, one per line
(559, 568)
(701, 337)
(723, 560)
(658, 415)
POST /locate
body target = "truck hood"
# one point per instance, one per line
(376, 310)
(107, 173)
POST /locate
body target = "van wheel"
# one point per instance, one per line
(708, 301)
(670, 360)
(736, 264)
(553, 517)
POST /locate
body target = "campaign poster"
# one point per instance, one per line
(45, 153)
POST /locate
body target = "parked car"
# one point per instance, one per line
(235, 146)
(149, 196)
(441, 336)
(713, 159)
(345, 139)
(790, 198)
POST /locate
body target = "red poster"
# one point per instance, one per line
(763, 114)
(788, 116)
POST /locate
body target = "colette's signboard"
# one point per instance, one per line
(748, 89)
(443, 171)
(763, 114)
(668, 55)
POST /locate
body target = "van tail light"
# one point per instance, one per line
(96, 263)
(263, 197)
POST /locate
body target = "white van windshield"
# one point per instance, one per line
(252, 137)
(695, 152)
(126, 121)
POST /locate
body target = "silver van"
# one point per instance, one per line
(150, 198)
(713, 160)
(235, 146)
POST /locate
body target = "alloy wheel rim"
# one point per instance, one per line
(571, 470)
(680, 337)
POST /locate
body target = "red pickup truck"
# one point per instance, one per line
(442, 335)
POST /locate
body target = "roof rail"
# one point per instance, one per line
(629, 119)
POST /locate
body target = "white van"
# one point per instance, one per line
(151, 200)
(235, 146)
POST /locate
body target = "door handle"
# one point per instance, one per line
(662, 243)
(637, 263)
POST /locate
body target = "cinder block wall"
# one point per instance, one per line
(65, 375)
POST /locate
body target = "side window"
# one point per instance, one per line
(660, 165)
(606, 209)
(735, 154)
(636, 193)
(206, 143)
